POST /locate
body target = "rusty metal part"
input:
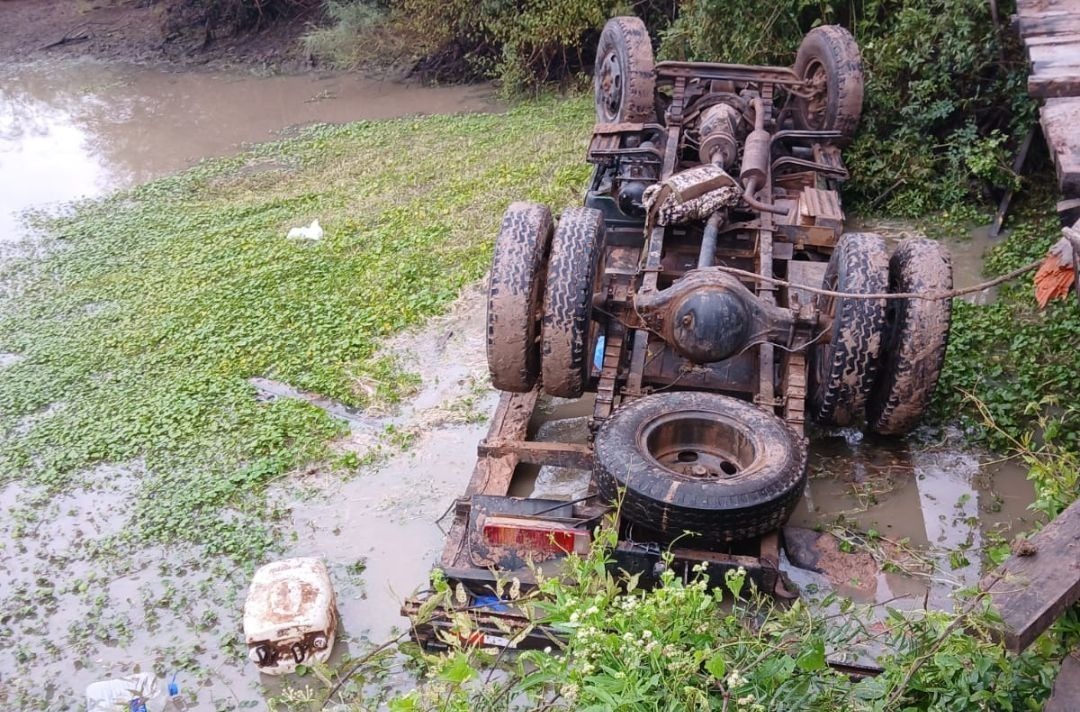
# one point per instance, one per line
(755, 163)
(707, 315)
(671, 72)
(749, 197)
(572, 455)
(719, 135)
(707, 255)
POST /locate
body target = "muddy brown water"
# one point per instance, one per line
(85, 129)
(82, 128)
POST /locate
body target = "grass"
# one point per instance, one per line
(1009, 357)
(139, 332)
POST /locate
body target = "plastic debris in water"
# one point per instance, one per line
(136, 693)
(290, 615)
(313, 231)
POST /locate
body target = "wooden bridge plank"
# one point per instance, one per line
(1031, 7)
(1030, 592)
(1060, 55)
(1059, 119)
(1063, 22)
(1060, 82)
(1051, 40)
(1066, 695)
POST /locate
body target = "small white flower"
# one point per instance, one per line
(547, 650)
(646, 634)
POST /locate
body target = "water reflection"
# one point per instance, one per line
(934, 507)
(82, 129)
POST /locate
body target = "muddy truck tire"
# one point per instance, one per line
(568, 298)
(842, 370)
(829, 59)
(713, 465)
(624, 78)
(515, 293)
(916, 336)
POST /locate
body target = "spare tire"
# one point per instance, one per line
(705, 463)
(842, 370)
(829, 60)
(916, 335)
(624, 78)
(515, 290)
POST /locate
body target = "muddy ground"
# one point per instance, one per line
(146, 31)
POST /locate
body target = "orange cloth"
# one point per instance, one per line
(1056, 274)
(1052, 281)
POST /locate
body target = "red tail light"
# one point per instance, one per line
(535, 535)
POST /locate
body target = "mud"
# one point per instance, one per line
(933, 507)
(74, 614)
(83, 129)
(163, 32)
(387, 514)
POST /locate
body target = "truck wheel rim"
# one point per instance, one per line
(700, 446)
(611, 85)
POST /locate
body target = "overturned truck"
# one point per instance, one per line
(707, 294)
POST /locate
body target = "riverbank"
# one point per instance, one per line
(176, 34)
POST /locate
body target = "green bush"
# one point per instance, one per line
(354, 35)
(945, 87)
(692, 644)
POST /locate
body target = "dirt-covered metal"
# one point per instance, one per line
(680, 293)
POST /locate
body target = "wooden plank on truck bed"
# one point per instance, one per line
(1060, 119)
(1031, 591)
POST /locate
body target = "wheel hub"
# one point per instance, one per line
(818, 103)
(611, 82)
(699, 445)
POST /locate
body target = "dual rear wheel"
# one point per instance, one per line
(540, 299)
(884, 356)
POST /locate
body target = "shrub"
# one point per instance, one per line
(355, 35)
(945, 86)
(223, 18)
(945, 91)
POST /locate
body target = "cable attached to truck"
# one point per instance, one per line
(950, 294)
